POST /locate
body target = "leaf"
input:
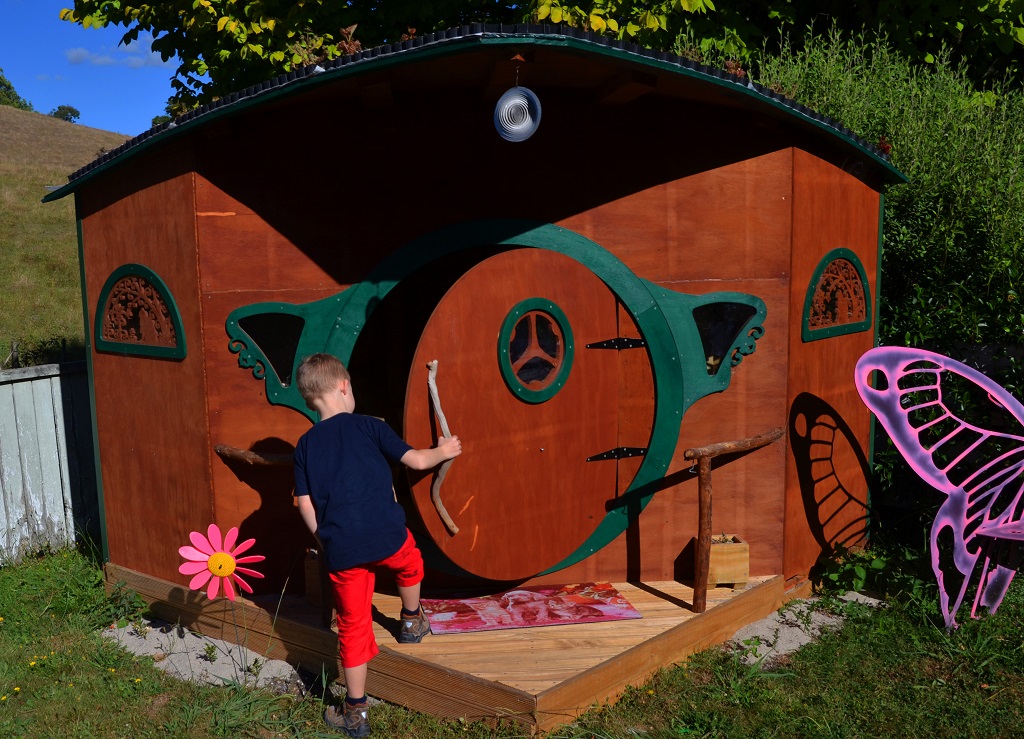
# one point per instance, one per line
(556, 15)
(543, 12)
(224, 20)
(632, 28)
(613, 25)
(597, 23)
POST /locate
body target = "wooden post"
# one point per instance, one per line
(700, 575)
(703, 455)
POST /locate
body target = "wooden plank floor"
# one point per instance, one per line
(540, 677)
(536, 659)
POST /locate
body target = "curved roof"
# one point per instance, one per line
(456, 39)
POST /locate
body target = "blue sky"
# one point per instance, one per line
(52, 62)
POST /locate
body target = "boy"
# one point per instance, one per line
(344, 493)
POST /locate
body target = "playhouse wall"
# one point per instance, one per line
(354, 176)
(152, 436)
(242, 261)
(724, 229)
(721, 224)
(828, 425)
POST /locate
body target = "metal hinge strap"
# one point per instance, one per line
(620, 342)
(619, 453)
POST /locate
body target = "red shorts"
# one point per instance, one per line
(353, 598)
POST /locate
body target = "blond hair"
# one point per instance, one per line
(318, 374)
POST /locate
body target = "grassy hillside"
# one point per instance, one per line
(40, 298)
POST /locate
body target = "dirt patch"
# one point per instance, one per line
(775, 637)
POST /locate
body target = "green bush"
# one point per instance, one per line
(954, 235)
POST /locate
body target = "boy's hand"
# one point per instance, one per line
(450, 446)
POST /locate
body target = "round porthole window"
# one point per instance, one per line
(535, 350)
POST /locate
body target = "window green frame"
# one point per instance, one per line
(180, 349)
(562, 371)
(814, 334)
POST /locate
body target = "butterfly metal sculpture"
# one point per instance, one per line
(975, 457)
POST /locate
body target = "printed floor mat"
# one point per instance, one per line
(550, 605)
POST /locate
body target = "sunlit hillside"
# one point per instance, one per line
(40, 298)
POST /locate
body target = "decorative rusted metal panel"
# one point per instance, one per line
(838, 300)
(136, 314)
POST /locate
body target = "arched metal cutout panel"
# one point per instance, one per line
(136, 314)
(838, 298)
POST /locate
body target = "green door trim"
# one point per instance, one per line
(670, 404)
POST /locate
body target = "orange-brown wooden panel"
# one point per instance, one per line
(256, 498)
(240, 251)
(748, 490)
(826, 472)
(151, 413)
(636, 399)
(732, 222)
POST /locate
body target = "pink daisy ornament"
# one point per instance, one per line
(214, 559)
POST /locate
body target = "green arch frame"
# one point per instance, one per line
(178, 351)
(809, 334)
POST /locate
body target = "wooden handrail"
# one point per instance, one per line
(704, 455)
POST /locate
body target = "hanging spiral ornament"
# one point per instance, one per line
(517, 114)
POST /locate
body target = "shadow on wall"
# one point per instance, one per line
(84, 492)
(269, 472)
(834, 490)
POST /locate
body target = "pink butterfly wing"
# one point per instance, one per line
(980, 470)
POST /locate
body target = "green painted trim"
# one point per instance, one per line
(318, 317)
(631, 290)
(872, 420)
(101, 508)
(806, 333)
(178, 351)
(505, 336)
(454, 46)
(678, 308)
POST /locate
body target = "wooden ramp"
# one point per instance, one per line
(540, 677)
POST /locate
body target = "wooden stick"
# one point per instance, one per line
(226, 451)
(727, 447)
(435, 488)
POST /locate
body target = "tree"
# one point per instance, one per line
(8, 96)
(224, 45)
(66, 113)
(987, 33)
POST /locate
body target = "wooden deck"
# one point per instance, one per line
(540, 677)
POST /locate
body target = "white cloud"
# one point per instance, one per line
(136, 55)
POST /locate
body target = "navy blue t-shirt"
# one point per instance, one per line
(342, 464)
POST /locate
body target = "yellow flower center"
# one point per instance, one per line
(221, 564)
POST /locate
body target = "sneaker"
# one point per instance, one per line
(414, 628)
(351, 720)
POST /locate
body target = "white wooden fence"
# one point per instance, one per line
(47, 471)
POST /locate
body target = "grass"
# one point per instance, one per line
(40, 297)
(892, 671)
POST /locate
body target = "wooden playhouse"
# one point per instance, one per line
(593, 295)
